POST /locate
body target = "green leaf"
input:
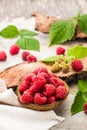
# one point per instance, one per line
(62, 31)
(82, 85)
(27, 33)
(82, 23)
(9, 32)
(80, 98)
(77, 51)
(28, 43)
(79, 101)
(52, 58)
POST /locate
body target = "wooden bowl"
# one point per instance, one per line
(44, 107)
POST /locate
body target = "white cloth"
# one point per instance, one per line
(16, 118)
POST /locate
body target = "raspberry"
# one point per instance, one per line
(36, 71)
(61, 92)
(77, 65)
(52, 75)
(26, 97)
(51, 100)
(39, 82)
(60, 82)
(60, 50)
(45, 75)
(14, 49)
(28, 78)
(40, 70)
(43, 69)
(49, 90)
(3, 56)
(23, 87)
(85, 108)
(31, 58)
(24, 55)
(53, 81)
(32, 89)
(40, 99)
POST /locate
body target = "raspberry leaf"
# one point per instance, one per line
(82, 85)
(26, 33)
(62, 31)
(80, 98)
(77, 51)
(9, 32)
(52, 58)
(28, 43)
(82, 23)
(77, 106)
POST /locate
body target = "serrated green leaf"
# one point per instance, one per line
(52, 58)
(77, 51)
(82, 85)
(82, 23)
(62, 31)
(26, 33)
(9, 32)
(28, 43)
(77, 106)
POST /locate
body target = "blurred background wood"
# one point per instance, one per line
(63, 8)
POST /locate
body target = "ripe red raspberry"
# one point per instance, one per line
(49, 90)
(39, 82)
(14, 49)
(43, 69)
(43, 74)
(53, 81)
(60, 50)
(77, 65)
(24, 55)
(85, 108)
(61, 92)
(23, 87)
(28, 78)
(40, 70)
(40, 99)
(3, 56)
(32, 89)
(26, 97)
(60, 82)
(51, 100)
(31, 58)
(52, 75)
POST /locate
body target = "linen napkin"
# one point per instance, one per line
(16, 118)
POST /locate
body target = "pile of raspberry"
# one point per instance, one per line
(41, 87)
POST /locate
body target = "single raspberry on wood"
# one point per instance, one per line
(77, 65)
(24, 55)
(14, 49)
(49, 90)
(3, 56)
(60, 50)
(31, 58)
(61, 92)
(40, 99)
(85, 108)
(26, 97)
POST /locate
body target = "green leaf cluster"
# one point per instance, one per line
(80, 98)
(26, 41)
(64, 30)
